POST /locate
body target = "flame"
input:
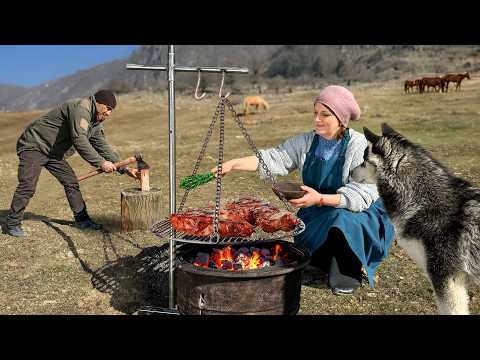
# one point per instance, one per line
(276, 250)
(228, 253)
(219, 256)
(245, 259)
(256, 260)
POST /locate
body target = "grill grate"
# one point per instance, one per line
(163, 230)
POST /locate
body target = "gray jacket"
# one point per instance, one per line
(68, 127)
(291, 155)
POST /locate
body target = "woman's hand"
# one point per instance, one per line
(311, 198)
(248, 163)
(227, 166)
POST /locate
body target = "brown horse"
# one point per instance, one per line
(457, 79)
(418, 84)
(254, 101)
(446, 80)
(409, 84)
(431, 82)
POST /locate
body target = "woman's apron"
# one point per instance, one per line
(369, 233)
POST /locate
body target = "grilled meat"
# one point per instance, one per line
(199, 222)
(237, 219)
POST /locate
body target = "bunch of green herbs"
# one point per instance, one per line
(193, 181)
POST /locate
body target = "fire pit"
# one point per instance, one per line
(237, 280)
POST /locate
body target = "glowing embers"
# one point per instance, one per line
(244, 258)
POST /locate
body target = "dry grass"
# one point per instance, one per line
(54, 270)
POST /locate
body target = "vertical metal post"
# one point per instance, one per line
(172, 164)
(172, 68)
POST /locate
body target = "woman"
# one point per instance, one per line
(346, 223)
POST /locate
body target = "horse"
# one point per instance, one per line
(457, 79)
(446, 80)
(418, 84)
(432, 82)
(256, 101)
(409, 84)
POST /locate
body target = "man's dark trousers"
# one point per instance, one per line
(29, 168)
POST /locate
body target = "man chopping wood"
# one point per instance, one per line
(75, 125)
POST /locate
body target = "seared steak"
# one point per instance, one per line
(237, 219)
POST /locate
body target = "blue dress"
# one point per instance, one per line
(369, 233)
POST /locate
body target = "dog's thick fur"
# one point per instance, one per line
(436, 214)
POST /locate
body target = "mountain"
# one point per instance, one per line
(8, 93)
(270, 67)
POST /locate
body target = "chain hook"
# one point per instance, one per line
(196, 89)
(221, 86)
(257, 153)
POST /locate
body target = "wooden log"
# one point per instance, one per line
(140, 209)
(144, 180)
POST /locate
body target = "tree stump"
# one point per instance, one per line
(140, 209)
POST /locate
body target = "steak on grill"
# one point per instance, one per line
(267, 216)
(199, 222)
(246, 207)
(281, 220)
(237, 219)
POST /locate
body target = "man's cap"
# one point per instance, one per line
(106, 97)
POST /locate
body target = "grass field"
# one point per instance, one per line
(56, 268)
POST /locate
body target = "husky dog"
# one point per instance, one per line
(436, 214)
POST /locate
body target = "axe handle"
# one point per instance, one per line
(99, 171)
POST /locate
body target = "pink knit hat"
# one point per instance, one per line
(341, 102)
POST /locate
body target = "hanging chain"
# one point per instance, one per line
(220, 110)
(219, 169)
(202, 153)
(257, 154)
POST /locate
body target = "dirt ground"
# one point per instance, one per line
(59, 269)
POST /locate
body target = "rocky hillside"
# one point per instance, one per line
(8, 94)
(272, 67)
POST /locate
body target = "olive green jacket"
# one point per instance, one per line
(69, 127)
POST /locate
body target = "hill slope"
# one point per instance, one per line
(270, 66)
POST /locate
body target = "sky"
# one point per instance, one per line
(32, 65)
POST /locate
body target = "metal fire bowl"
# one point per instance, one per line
(272, 290)
(299, 252)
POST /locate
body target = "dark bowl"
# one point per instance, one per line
(289, 189)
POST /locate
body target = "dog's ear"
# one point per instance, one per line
(371, 136)
(387, 130)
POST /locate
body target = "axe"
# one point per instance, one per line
(137, 158)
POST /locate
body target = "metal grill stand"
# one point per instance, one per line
(172, 68)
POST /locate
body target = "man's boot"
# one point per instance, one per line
(83, 221)
(16, 231)
(88, 224)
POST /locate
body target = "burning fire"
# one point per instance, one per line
(244, 258)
